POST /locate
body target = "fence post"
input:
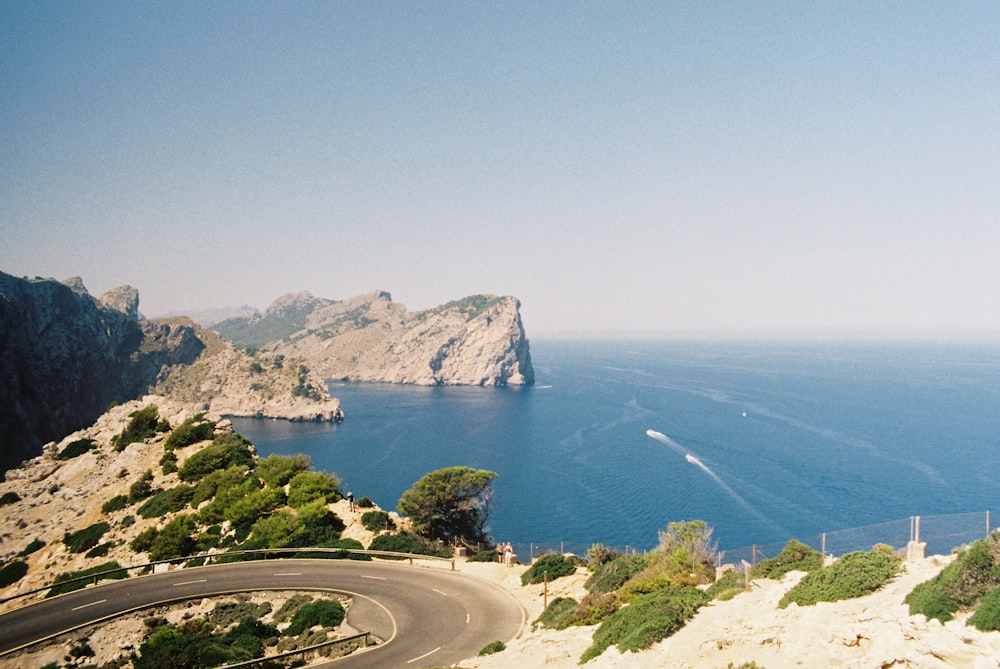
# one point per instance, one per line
(823, 545)
(754, 558)
(987, 523)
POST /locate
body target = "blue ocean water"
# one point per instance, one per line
(763, 441)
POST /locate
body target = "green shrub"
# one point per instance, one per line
(405, 542)
(167, 501)
(599, 554)
(365, 503)
(35, 545)
(557, 614)
(795, 556)
(75, 448)
(142, 488)
(168, 463)
(853, 575)
(646, 583)
(493, 647)
(85, 539)
(733, 581)
(489, 555)
(646, 620)
(144, 424)
(326, 612)
(987, 615)
(12, 572)
(974, 572)
(610, 576)
(550, 565)
(226, 451)
(191, 431)
(116, 503)
(307, 487)
(174, 540)
(100, 550)
(376, 521)
(108, 570)
(9, 497)
(595, 607)
(278, 470)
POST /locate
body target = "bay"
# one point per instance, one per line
(763, 441)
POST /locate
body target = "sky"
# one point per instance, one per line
(719, 169)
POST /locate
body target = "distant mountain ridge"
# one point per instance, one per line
(477, 340)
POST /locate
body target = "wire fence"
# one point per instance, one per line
(941, 533)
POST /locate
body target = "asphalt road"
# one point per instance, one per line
(426, 616)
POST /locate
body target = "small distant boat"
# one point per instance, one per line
(744, 414)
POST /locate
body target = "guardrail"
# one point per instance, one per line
(265, 553)
(304, 652)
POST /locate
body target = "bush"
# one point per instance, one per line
(35, 545)
(116, 503)
(12, 572)
(167, 501)
(405, 542)
(85, 539)
(795, 556)
(551, 565)
(853, 575)
(594, 608)
(278, 470)
(610, 576)
(307, 487)
(144, 424)
(191, 431)
(325, 612)
(365, 503)
(647, 620)
(599, 554)
(489, 555)
(557, 614)
(727, 586)
(226, 451)
(987, 615)
(75, 448)
(108, 570)
(493, 647)
(376, 521)
(960, 585)
(9, 497)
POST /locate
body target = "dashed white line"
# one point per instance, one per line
(204, 580)
(288, 573)
(83, 606)
(443, 594)
(424, 655)
(374, 578)
(468, 618)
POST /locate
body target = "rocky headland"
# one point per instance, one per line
(478, 340)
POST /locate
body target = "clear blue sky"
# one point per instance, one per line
(738, 169)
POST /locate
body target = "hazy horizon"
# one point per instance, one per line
(723, 170)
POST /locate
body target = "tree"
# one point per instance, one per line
(451, 504)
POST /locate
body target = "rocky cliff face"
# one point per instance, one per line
(66, 356)
(478, 340)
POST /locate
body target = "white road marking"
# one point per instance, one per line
(204, 580)
(468, 618)
(374, 578)
(83, 606)
(289, 573)
(424, 655)
(443, 594)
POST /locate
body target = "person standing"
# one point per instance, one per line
(350, 501)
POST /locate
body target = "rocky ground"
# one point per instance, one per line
(875, 631)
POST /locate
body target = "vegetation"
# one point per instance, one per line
(144, 424)
(277, 470)
(646, 620)
(191, 431)
(85, 539)
(309, 486)
(451, 504)
(227, 450)
(324, 612)
(853, 575)
(795, 556)
(962, 584)
(548, 566)
(12, 572)
(492, 647)
(105, 571)
(167, 501)
(76, 448)
(987, 615)
(557, 614)
(610, 576)
(9, 497)
(377, 521)
(405, 542)
(35, 545)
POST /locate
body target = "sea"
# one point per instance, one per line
(764, 441)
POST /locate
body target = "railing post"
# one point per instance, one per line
(823, 545)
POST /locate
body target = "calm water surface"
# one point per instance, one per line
(616, 439)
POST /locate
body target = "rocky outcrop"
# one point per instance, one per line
(66, 356)
(478, 340)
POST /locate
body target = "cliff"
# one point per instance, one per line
(478, 340)
(66, 356)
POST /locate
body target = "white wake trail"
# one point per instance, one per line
(696, 461)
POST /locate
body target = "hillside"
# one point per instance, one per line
(478, 340)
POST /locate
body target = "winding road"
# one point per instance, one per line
(425, 616)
